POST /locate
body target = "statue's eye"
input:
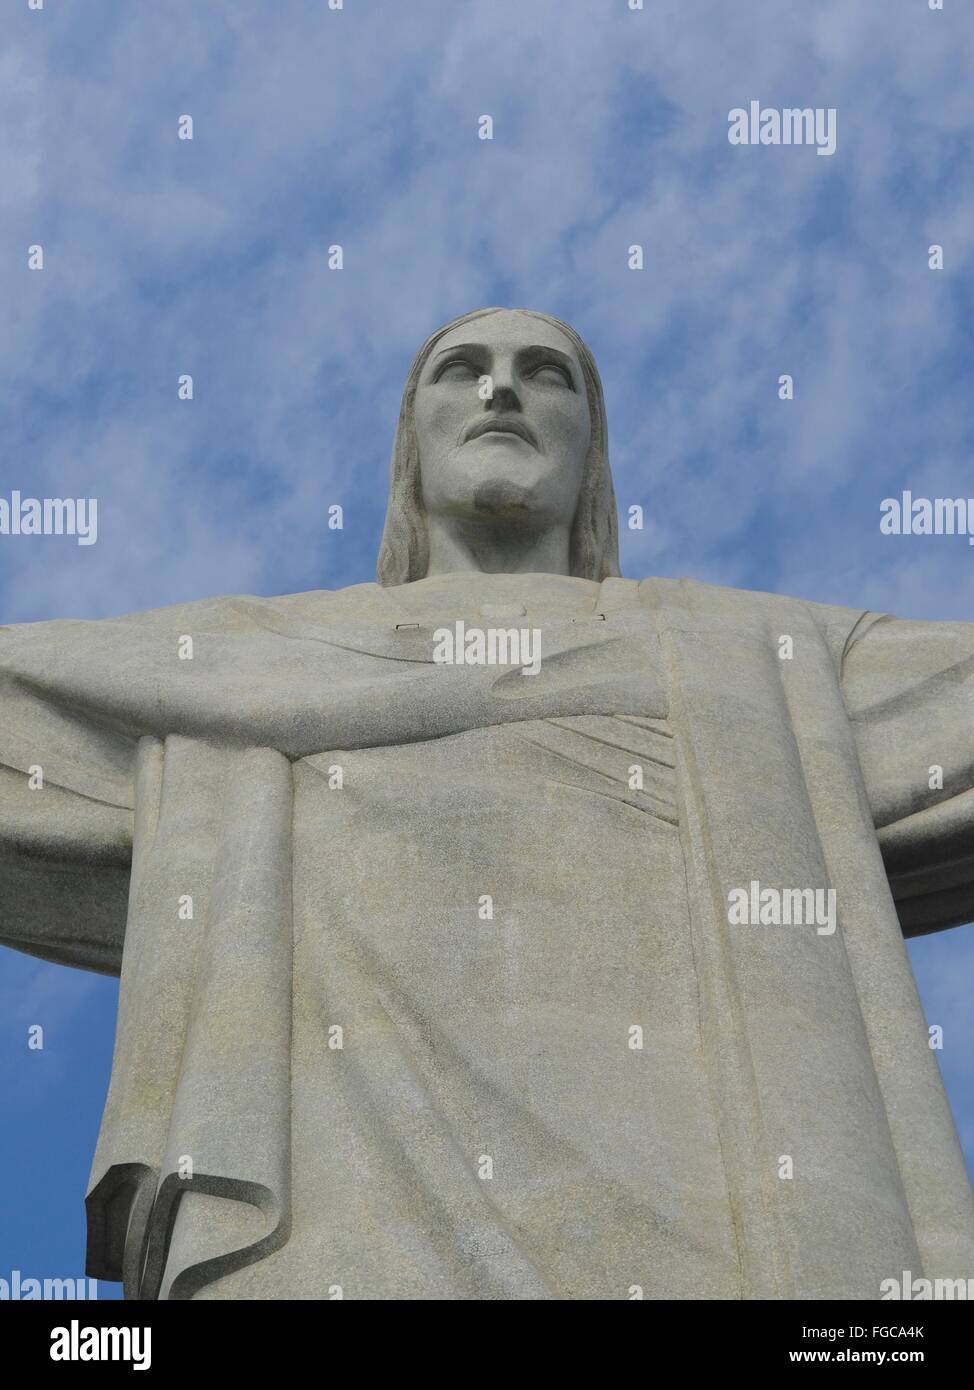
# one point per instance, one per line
(457, 369)
(551, 372)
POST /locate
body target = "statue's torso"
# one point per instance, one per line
(505, 1036)
(497, 922)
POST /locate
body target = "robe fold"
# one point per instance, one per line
(190, 834)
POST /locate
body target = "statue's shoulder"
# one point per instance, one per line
(230, 616)
(363, 604)
(689, 600)
(231, 613)
(356, 602)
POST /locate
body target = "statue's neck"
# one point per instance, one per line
(456, 545)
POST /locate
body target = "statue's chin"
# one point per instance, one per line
(501, 498)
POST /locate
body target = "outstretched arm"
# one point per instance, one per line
(65, 825)
(909, 687)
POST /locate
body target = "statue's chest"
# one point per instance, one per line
(421, 680)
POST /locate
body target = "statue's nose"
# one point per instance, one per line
(504, 397)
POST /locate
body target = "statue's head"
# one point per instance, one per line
(526, 449)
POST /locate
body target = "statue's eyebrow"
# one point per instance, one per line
(460, 347)
(540, 352)
(525, 356)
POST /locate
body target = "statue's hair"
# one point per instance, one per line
(594, 544)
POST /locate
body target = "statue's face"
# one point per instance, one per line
(519, 454)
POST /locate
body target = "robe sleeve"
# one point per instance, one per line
(66, 842)
(909, 689)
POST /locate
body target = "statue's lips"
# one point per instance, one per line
(500, 427)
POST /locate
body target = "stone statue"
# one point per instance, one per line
(445, 980)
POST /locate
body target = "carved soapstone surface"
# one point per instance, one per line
(461, 1011)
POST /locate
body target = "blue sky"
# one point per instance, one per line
(359, 127)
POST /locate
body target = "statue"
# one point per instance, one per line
(440, 980)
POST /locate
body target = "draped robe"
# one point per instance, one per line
(385, 1089)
